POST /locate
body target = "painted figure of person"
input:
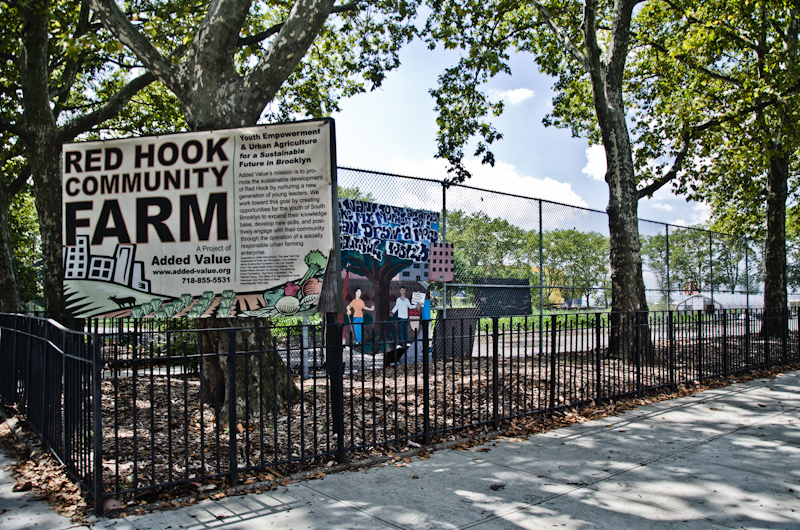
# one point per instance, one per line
(357, 308)
(401, 307)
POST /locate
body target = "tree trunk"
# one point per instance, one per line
(9, 284)
(43, 149)
(630, 333)
(45, 160)
(775, 277)
(262, 384)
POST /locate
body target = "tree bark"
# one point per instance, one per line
(9, 284)
(43, 149)
(262, 382)
(775, 275)
(631, 334)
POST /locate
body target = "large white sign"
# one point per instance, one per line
(221, 223)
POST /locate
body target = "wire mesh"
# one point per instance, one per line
(518, 255)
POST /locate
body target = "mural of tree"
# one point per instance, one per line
(379, 273)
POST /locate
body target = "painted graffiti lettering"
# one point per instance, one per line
(362, 245)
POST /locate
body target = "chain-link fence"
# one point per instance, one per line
(514, 252)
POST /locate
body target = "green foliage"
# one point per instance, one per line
(720, 77)
(351, 55)
(355, 194)
(487, 247)
(700, 260)
(576, 262)
(24, 227)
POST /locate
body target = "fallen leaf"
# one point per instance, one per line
(497, 487)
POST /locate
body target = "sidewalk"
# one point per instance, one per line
(725, 458)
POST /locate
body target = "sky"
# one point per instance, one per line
(393, 129)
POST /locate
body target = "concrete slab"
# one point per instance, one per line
(721, 494)
(19, 510)
(460, 483)
(585, 509)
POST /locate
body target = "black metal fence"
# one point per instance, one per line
(138, 406)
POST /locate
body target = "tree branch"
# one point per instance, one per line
(12, 127)
(618, 47)
(693, 133)
(118, 24)
(108, 110)
(355, 5)
(18, 184)
(72, 66)
(684, 60)
(300, 28)
(560, 35)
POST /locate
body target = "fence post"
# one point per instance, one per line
(747, 337)
(495, 373)
(553, 339)
(426, 384)
(12, 390)
(637, 337)
(232, 422)
(699, 344)
(766, 333)
(333, 361)
(725, 341)
(784, 334)
(671, 349)
(597, 363)
(97, 423)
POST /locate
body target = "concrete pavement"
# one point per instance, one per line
(724, 458)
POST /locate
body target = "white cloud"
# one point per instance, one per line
(503, 177)
(663, 207)
(701, 213)
(514, 97)
(595, 162)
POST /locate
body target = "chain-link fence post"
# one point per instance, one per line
(711, 266)
(541, 281)
(669, 281)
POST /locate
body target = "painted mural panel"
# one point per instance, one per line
(385, 268)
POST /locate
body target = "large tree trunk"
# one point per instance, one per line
(45, 159)
(775, 277)
(262, 383)
(630, 334)
(43, 149)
